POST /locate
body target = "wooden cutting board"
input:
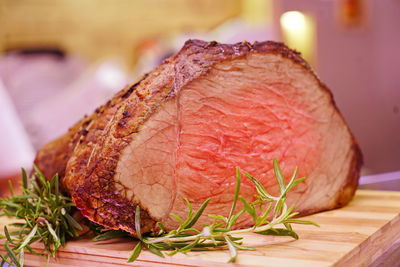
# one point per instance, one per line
(355, 235)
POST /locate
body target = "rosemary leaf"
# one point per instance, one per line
(279, 206)
(11, 188)
(279, 175)
(236, 195)
(189, 246)
(189, 216)
(217, 217)
(288, 226)
(21, 257)
(216, 230)
(56, 186)
(234, 218)
(109, 235)
(135, 252)
(295, 182)
(155, 250)
(12, 255)
(56, 239)
(232, 249)
(177, 218)
(137, 223)
(28, 238)
(279, 232)
(250, 209)
(39, 175)
(239, 246)
(161, 226)
(263, 218)
(292, 178)
(7, 235)
(259, 187)
(198, 213)
(72, 222)
(172, 253)
(34, 252)
(297, 221)
(24, 179)
(191, 230)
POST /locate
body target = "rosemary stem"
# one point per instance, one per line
(201, 236)
(167, 239)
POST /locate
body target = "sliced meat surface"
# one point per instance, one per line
(183, 129)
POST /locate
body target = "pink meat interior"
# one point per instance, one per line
(243, 114)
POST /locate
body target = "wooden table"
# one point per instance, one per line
(357, 235)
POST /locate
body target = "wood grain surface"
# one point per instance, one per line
(357, 235)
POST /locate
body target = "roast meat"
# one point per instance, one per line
(180, 131)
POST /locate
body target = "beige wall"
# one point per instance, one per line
(98, 28)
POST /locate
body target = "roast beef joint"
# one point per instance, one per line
(182, 129)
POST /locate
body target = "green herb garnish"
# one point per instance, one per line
(267, 212)
(45, 217)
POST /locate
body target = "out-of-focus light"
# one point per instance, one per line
(293, 20)
(111, 75)
(299, 32)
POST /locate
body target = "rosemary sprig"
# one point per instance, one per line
(46, 218)
(267, 212)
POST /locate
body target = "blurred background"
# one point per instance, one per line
(60, 59)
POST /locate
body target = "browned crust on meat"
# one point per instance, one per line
(348, 190)
(88, 154)
(53, 157)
